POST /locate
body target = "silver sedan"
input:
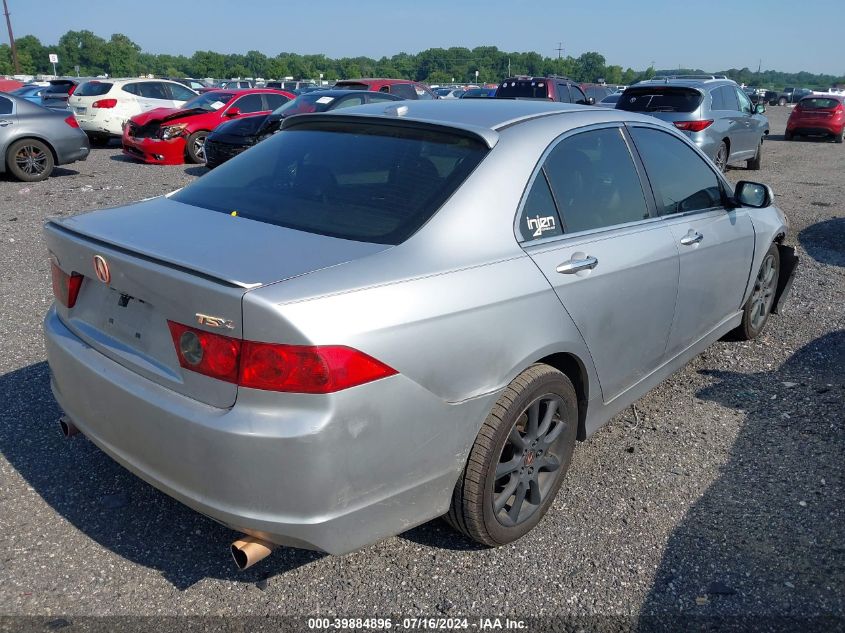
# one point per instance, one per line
(34, 139)
(401, 312)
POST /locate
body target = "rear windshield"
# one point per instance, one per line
(817, 103)
(660, 99)
(524, 89)
(365, 182)
(93, 89)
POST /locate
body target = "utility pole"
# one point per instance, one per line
(559, 48)
(11, 39)
(759, 64)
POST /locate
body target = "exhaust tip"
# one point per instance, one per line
(249, 550)
(67, 427)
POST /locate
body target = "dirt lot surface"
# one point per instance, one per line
(722, 496)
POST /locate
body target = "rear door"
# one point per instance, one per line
(590, 227)
(8, 119)
(716, 245)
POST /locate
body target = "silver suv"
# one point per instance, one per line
(713, 111)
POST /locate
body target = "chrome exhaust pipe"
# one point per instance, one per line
(249, 550)
(67, 426)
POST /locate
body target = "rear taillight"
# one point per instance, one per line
(693, 126)
(65, 287)
(71, 91)
(104, 103)
(839, 110)
(71, 121)
(272, 366)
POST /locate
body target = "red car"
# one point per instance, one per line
(172, 136)
(817, 115)
(400, 87)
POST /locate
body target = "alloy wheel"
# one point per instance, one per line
(31, 160)
(199, 148)
(764, 291)
(525, 472)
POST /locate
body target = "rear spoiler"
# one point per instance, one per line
(476, 132)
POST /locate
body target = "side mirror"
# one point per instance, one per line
(233, 111)
(753, 194)
(759, 108)
(591, 101)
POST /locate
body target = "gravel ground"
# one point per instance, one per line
(722, 496)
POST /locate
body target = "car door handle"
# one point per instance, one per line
(5, 122)
(574, 265)
(693, 237)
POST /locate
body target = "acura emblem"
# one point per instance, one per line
(101, 269)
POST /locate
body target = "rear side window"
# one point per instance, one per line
(539, 217)
(660, 99)
(595, 182)
(524, 89)
(365, 182)
(94, 89)
(5, 105)
(133, 89)
(717, 99)
(679, 177)
(274, 101)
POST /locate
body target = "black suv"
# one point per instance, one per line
(552, 88)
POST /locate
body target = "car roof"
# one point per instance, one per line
(341, 92)
(380, 80)
(482, 117)
(685, 82)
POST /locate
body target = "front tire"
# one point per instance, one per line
(519, 459)
(195, 147)
(30, 160)
(756, 312)
(755, 163)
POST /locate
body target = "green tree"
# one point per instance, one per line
(123, 56)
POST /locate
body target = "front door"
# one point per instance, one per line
(588, 226)
(716, 245)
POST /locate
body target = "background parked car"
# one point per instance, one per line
(33, 139)
(103, 107)
(792, 95)
(171, 136)
(57, 93)
(449, 93)
(715, 113)
(818, 115)
(30, 93)
(399, 87)
(610, 100)
(233, 137)
(550, 88)
(596, 92)
(193, 84)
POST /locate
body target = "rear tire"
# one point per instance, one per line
(30, 160)
(839, 138)
(519, 459)
(754, 163)
(756, 312)
(99, 140)
(194, 147)
(788, 136)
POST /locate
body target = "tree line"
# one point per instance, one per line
(119, 56)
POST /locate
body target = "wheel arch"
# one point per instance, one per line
(25, 137)
(573, 367)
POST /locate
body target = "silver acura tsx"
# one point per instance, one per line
(401, 312)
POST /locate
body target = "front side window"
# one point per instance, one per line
(274, 100)
(563, 93)
(406, 91)
(744, 101)
(578, 95)
(595, 182)
(679, 177)
(180, 92)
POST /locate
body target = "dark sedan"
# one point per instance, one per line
(233, 137)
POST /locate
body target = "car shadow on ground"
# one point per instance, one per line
(197, 170)
(110, 505)
(825, 241)
(58, 172)
(770, 530)
(439, 535)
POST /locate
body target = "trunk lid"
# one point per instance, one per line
(170, 261)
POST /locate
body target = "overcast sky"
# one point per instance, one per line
(787, 35)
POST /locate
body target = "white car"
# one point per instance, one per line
(102, 107)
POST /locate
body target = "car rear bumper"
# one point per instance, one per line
(72, 148)
(815, 128)
(107, 125)
(328, 473)
(155, 151)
